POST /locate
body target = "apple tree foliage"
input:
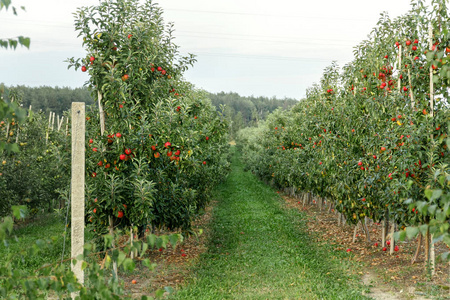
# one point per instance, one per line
(372, 136)
(164, 146)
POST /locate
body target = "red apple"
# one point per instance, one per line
(122, 156)
(120, 214)
(83, 69)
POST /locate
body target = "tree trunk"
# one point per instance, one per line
(418, 250)
(364, 223)
(354, 233)
(385, 228)
(427, 247)
(131, 242)
(392, 246)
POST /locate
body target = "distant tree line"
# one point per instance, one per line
(239, 110)
(248, 111)
(46, 98)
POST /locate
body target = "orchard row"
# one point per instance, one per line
(155, 147)
(372, 138)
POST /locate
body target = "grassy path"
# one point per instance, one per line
(259, 250)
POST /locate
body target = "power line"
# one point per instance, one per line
(264, 15)
(264, 57)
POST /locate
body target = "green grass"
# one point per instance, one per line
(259, 250)
(50, 230)
(46, 228)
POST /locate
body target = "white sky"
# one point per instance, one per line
(261, 48)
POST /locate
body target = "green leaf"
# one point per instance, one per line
(430, 56)
(151, 239)
(440, 216)
(128, 264)
(436, 194)
(144, 249)
(411, 232)
(24, 41)
(173, 240)
(400, 235)
(428, 193)
(121, 258)
(108, 240)
(159, 293)
(432, 209)
(8, 223)
(435, 78)
(423, 229)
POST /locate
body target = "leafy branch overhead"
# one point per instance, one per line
(13, 41)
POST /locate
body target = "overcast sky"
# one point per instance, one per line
(261, 48)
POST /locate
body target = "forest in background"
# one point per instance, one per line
(239, 110)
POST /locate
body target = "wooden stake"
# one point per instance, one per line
(53, 121)
(411, 91)
(77, 185)
(60, 123)
(102, 113)
(131, 241)
(111, 232)
(48, 127)
(432, 257)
